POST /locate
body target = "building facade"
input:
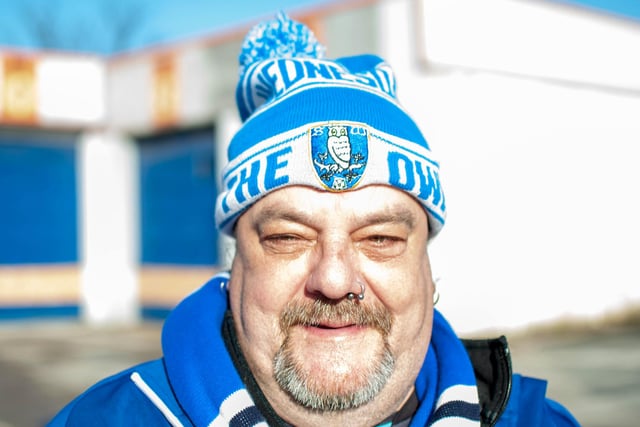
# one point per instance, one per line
(109, 167)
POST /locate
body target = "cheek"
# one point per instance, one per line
(270, 285)
(407, 293)
(258, 292)
(255, 319)
(401, 289)
(413, 315)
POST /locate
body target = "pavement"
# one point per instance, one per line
(594, 373)
(44, 365)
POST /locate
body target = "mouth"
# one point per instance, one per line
(332, 325)
(332, 330)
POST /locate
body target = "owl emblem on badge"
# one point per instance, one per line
(340, 153)
(339, 147)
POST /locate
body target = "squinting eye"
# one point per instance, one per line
(383, 240)
(284, 243)
(382, 247)
(281, 238)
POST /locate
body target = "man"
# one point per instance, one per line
(327, 316)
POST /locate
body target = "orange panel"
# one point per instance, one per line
(19, 94)
(165, 91)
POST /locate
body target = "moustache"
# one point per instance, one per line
(318, 312)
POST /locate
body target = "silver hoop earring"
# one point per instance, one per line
(351, 295)
(436, 294)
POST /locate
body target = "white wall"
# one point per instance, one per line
(540, 176)
(69, 90)
(541, 38)
(129, 96)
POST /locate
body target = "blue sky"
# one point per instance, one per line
(80, 24)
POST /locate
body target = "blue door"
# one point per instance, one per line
(38, 198)
(178, 191)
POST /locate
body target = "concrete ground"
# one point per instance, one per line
(596, 374)
(43, 366)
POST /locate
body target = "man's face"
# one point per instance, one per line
(300, 252)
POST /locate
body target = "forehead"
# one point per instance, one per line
(377, 203)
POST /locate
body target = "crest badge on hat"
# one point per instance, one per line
(339, 154)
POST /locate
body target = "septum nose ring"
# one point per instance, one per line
(351, 295)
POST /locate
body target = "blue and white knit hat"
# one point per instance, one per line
(333, 125)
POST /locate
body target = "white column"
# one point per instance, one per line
(109, 235)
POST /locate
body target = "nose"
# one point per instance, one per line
(335, 272)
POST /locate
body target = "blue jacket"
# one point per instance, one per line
(199, 383)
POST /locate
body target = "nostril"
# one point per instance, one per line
(334, 269)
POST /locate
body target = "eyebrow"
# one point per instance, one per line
(397, 215)
(275, 214)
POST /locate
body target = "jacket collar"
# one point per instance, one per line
(491, 360)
